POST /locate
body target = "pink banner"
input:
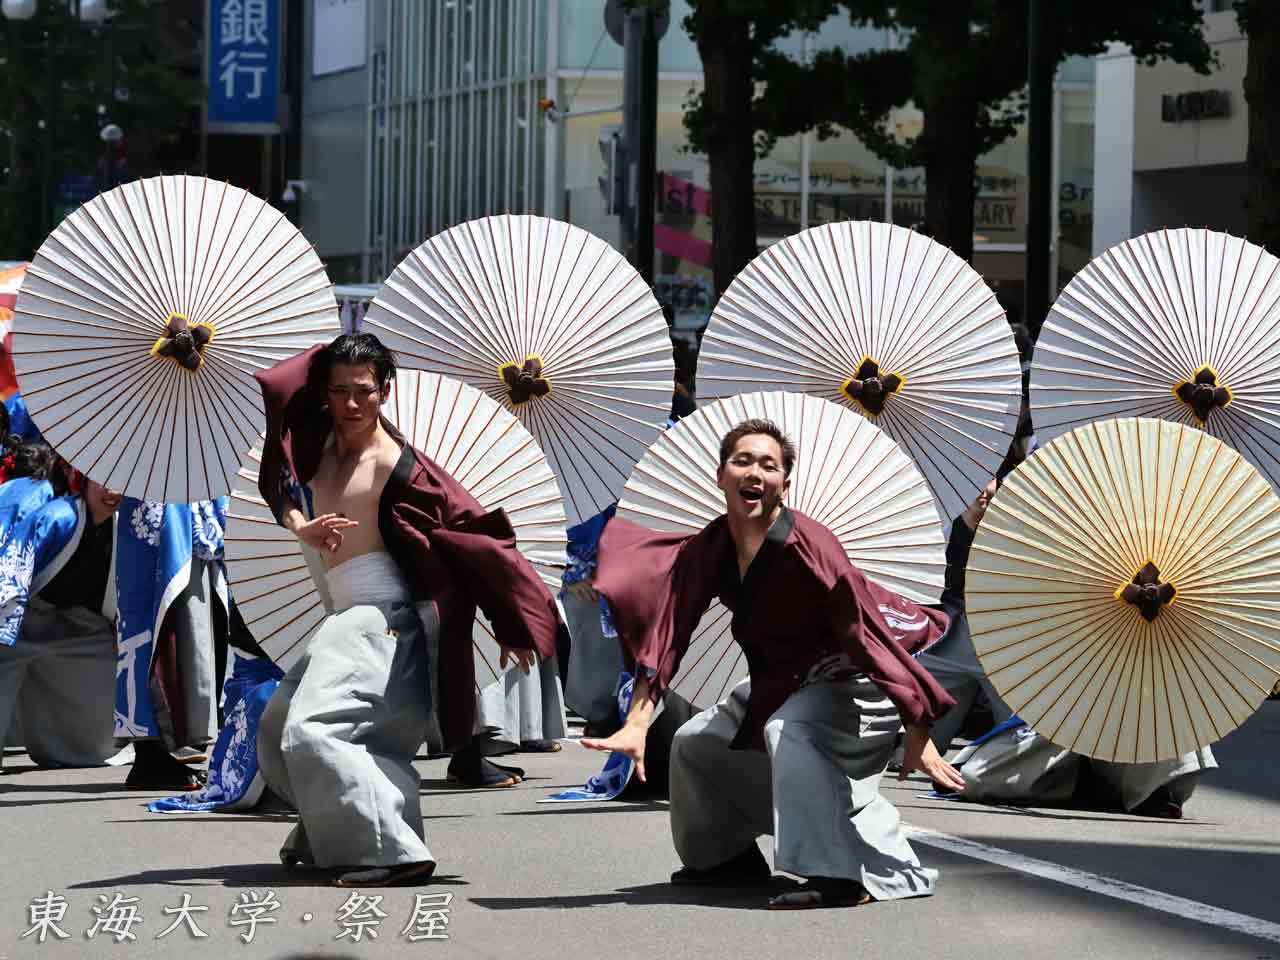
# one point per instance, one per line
(677, 243)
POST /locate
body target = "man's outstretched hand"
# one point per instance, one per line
(324, 532)
(628, 741)
(919, 753)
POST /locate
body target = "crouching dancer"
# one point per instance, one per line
(798, 749)
(408, 555)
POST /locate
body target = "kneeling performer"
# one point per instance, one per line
(798, 749)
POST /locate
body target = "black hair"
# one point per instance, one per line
(29, 459)
(761, 426)
(356, 350)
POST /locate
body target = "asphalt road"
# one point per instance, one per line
(533, 881)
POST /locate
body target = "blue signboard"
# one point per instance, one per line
(244, 66)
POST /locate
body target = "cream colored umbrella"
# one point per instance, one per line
(551, 322)
(1176, 324)
(849, 475)
(480, 445)
(1123, 590)
(143, 319)
(888, 323)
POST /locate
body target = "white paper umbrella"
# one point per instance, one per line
(849, 475)
(480, 445)
(888, 323)
(1176, 324)
(1123, 590)
(143, 318)
(553, 323)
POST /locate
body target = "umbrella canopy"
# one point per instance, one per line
(849, 475)
(469, 436)
(144, 317)
(10, 282)
(1176, 324)
(551, 322)
(1123, 590)
(888, 323)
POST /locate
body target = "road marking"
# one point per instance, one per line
(1095, 883)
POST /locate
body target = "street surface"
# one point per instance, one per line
(589, 880)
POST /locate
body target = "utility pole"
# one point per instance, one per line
(638, 26)
(640, 133)
(1040, 70)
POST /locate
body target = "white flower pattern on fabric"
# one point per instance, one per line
(206, 531)
(17, 565)
(146, 520)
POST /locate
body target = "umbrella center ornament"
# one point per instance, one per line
(1147, 592)
(525, 381)
(1202, 393)
(183, 342)
(871, 388)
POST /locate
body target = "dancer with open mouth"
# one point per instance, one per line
(798, 749)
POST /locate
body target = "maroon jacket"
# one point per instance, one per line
(800, 602)
(452, 553)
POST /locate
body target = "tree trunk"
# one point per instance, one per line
(1263, 22)
(949, 102)
(728, 91)
(951, 170)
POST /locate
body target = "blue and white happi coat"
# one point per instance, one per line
(155, 546)
(39, 533)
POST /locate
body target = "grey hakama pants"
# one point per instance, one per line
(594, 663)
(521, 707)
(192, 619)
(954, 664)
(340, 734)
(59, 682)
(1023, 768)
(816, 789)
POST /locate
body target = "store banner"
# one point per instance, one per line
(244, 66)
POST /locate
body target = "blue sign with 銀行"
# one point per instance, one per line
(244, 65)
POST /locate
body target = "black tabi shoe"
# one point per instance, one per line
(822, 892)
(400, 874)
(1160, 804)
(748, 867)
(156, 769)
(468, 768)
(540, 746)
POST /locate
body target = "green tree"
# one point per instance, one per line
(734, 38)
(1260, 20)
(963, 64)
(56, 94)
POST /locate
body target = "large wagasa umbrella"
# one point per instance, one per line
(143, 319)
(469, 436)
(1123, 590)
(1176, 324)
(551, 322)
(888, 323)
(849, 475)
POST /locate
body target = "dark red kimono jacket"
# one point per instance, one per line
(452, 553)
(800, 602)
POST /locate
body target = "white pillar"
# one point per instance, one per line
(554, 132)
(1113, 147)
